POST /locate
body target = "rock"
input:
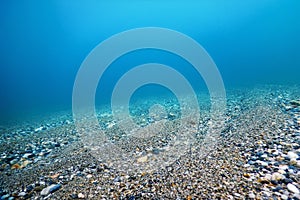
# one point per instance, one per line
(246, 175)
(50, 189)
(28, 155)
(277, 176)
(39, 129)
(89, 176)
(251, 195)
(293, 188)
(5, 196)
(292, 155)
(21, 194)
(81, 196)
(284, 197)
(29, 188)
(268, 177)
(142, 159)
(25, 163)
(295, 102)
(74, 196)
(16, 166)
(287, 180)
(117, 179)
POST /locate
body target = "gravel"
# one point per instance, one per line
(256, 156)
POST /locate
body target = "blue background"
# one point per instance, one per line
(44, 42)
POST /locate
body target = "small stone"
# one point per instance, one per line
(246, 175)
(268, 177)
(28, 155)
(251, 195)
(16, 166)
(292, 155)
(89, 176)
(142, 159)
(50, 189)
(277, 176)
(74, 196)
(284, 197)
(117, 179)
(293, 188)
(38, 129)
(295, 102)
(81, 196)
(277, 189)
(25, 163)
(281, 171)
(54, 176)
(246, 165)
(5, 196)
(283, 167)
(21, 194)
(29, 188)
(287, 180)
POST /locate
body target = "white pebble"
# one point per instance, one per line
(292, 155)
(277, 176)
(81, 196)
(89, 176)
(21, 194)
(251, 195)
(284, 197)
(293, 188)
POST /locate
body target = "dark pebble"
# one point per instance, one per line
(131, 198)
(259, 154)
(254, 158)
(29, 188)
(287, 181)
(292, 167)
(274, 182)
(117, 179)
(55, 188)
(250, 162)
(155, 151)
(277, 189)
(74, 196)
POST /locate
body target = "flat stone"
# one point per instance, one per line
(284, 197)
(292, 155)
(293, 188)
(81, 196)
(251, 195)
(277, 176)
(50, 189)
(142, 159)
(21, 194)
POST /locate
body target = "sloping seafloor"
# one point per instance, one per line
(256, 154)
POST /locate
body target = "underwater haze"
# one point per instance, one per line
(43, 44)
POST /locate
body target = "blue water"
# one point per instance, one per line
(43, 44)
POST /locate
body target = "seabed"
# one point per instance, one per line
(254, 155)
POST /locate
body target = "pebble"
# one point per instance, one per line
(293, 188)
(277, 176)
(50, 189)
(251, 195)
(89, 176)
(81, 196)
(292, 155)
(142, 159)
(21, 194)
(5, 196)
(284, 197)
